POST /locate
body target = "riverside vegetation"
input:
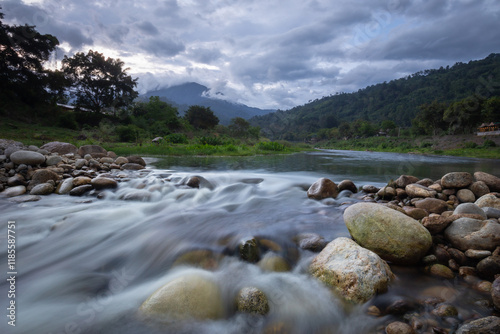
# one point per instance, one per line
(448, 228)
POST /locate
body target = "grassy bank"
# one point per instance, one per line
(460, 145)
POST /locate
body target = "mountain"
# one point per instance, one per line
(192, 93)
(397, 100)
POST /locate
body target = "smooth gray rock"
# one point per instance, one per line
(27, 157)
(467, 233)
(466, 196)
(13, 191)
(417, 190)
(492, 212)
(42, 189)
(457, 180)
(469, 208)
(60, 147)
(53, 160)
(65, 186)
(323, 188)
(80, 190)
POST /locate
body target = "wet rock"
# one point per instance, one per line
(387, 193)
(192, 296)
(121, 161)
(16, 180)
(249, 250)
(457, 255)
(25, 198)
(491, 181)
(273, 262)
(442, 254)
(347, 185)
(469, 208)
(432, 205)
(483, 286)
(202, 258)
(404, 180)
(95, 151)
(135, 159)
(252, 300)
(42, 189)
(488, 325)
(467, 271)
(80, 190)
(392, 235)
(489, 267)
(416, 190)
(435, 224)
(65, 186)
(489, 200)
(323, 188)
(27, 157)
(429, 259)
(104, 183)
(477, 254)
(42, 176)
(467, 233)
(399, 327)
(13, 191)
(457, 180)
(59, 147)
(466, 196)
(400, 307)
(81, 180)
(132, 166)
(492, 212)
(353, 271)
(479, 188)
(445, 310)
(440, 270)
(495, 293)
(137, 195)
(367, 188)
(415, 213)
(311, 241)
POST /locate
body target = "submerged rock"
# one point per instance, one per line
(249, 250)
(323, 188)
(354, 272)
(252, 300)
(391, 234)
(273, 262)
(192, 296)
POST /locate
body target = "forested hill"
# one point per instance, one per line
(397, 100)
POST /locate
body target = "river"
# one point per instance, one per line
(85, 264)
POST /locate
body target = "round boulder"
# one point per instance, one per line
(27, 157)
(488, 325)
(489, 200)
(417, 190)
(356, 273)
(42, 189)
(59, 147)
(135, 159)
(488, 267)
(252, 300)
(404, 180)
(42, 176)
(65, 186)
(347, 185)
(466, 196)
(432, 205)
(468, 233)
(479, 188)
(192, 296)
(104, 183)
(392, 235)
(469, 208)
(491, 181)
(53, 160)
(457, 180)
(13, 191)
(323, 188)
(95, 151)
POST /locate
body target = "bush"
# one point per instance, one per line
(67, 120)
(127, 133)
(177, 138)
(214, 141)
(271, 146)
(425, 145)
(489, 143)
(470, 144)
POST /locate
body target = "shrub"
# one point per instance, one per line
(425, 145)
(214, 141)
(489, 143)
(67, 120)
(177, 138)
(127, 133)
(271, 146)
(470, 144)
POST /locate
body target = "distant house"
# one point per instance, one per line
(489, 129)
(68, 107)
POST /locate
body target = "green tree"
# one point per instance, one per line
(464, 116)
(429, 119)
(201, 117)
(156, 111)
(23, 52)
(239, 127)
(99, 82)
(491, 110)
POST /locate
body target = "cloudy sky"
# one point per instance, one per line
(269, 53)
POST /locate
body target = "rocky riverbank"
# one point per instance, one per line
(28, 172)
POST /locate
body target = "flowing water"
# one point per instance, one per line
(86, 264)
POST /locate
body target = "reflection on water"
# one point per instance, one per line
(85, 265)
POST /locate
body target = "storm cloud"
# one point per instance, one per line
(270, 54)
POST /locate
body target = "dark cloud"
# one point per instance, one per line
(162, 47)
(148, 28)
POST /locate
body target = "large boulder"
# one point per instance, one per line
(95, 151)
(394, 236)
(135, 159)
(468, 233)
(42, 176)
(489, 200)
(60, 147)
(27, 158)
(192, 296)
(457, 180)
(104, 183)
(469, 208)
(479, 188)
(323, 188)
(488, 325)
(491, 181)
(354, 272)
(404, 180)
